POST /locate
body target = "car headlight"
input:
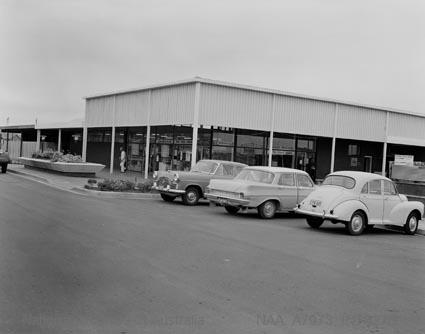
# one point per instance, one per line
(176, 178)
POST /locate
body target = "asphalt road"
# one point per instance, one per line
(75, 264)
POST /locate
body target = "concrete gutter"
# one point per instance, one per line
(117, 194)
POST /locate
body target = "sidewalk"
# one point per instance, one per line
(76, 185)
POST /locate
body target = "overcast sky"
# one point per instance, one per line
(54, 52)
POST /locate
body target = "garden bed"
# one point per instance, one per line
(109, 185)
(67, 168)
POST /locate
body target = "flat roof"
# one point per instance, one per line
(18, 127)
(250, 88)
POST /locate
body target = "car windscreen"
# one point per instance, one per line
(207, 167)
(339, 180)
(255, 176)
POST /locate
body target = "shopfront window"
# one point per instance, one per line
(171, 148)
(136, 149)
(283, 150)
(204, 144)
(182, 148)
(223, 145)
(251, 147)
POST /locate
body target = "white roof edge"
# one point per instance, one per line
(254, 88)
(405, 141)
(75, 123)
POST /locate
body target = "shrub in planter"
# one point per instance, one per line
(145, 186)
(121, 185)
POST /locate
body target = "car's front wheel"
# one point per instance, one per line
(357, 223)
(412, 222)
(191, 196)
(3, 168)
(232, 209)
(314, 222)
(168, 198)
(267, 210)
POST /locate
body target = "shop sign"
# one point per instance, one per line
(403, 160)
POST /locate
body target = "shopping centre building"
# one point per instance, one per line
(171, 126)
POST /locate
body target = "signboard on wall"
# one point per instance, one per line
(403, 160)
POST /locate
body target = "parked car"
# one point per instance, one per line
(191, 185)
(360, 200)
(266, 189)
(4, 161)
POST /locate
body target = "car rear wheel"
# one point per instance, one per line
(3, 168)
(411, 225)
(314, 222)
(357, 223)
(267, 210)
(168, 198)
(192, 196)
(232, 209)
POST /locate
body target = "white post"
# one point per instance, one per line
(59, 139)
(84, 148)
(272, 131)
(111, 165)
(384, 155)
(147, 153)
(334, 138)
(148, 135)
(37, 145)
(195, 122)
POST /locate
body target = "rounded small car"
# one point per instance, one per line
(266, 189)
(4, 161)
(190, 185)
(360, 200)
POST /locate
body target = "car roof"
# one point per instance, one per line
(277, 169)
(360, 176)
(225, 161)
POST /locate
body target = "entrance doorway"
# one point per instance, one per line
(367, 167)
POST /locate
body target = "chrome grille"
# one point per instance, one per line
(222, 193)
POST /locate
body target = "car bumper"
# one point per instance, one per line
(167, 190)
(322, 215)
(222, 200)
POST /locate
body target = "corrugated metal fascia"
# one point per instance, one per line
(145, 88)
(406, 126)
(258, 89)
(303, 116)
(233, 107)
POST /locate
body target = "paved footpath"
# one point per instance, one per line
(76, 185)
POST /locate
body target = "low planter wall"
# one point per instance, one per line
(71, 169)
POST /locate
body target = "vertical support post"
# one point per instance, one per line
(20, 146)
(84, 148)
(384, 155)
(272, 131)
(7, 142)
(147, 153)
(59, 140)
(195, 124)
(334, 138)
(148, 135)
(111, 164)
(37, 145)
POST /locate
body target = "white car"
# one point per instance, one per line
(360, 200)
